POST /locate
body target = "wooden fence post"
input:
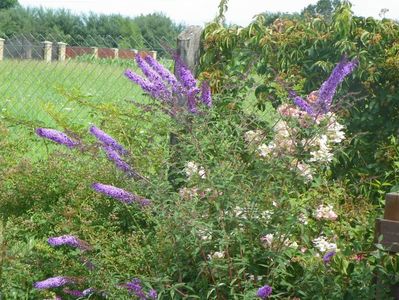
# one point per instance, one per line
(47, 49)
(388, 230)
(1, 49)
(188, 49)
(116, 52)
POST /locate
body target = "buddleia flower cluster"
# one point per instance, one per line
(307, 152)
(159, 83)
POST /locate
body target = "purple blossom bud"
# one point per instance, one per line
(107, 140)
(206, 96)
(56, 136)
(152, 294)
(69, 240)
(192, 101)
(327, 257)
(264, 292)
(53, 282)
(119, 194)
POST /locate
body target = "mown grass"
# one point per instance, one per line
(32, 91)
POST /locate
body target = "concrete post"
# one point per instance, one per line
(61, 51)
(95, 52)
(116, 52)
(153, 54)
(1, 49)
(47, 49)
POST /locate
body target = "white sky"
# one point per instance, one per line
(197, 12)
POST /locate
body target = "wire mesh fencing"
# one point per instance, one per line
(37, 73)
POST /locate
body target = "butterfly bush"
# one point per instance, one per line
(168, 88)
(69, 240)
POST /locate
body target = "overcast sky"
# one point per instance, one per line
(197, 12)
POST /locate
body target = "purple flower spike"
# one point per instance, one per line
(206, 95)
(143, 83)
(192, 101)
(327, 257)
(159, 89)
(56, 136)
(75, 293)
(264, 292)
(114, 156)
(152, 294)
(329, 87)
(165, 74)
(135, 287)
(69, 240)
(119, 194)
(107, 140)
(53, 282)
(185, 75)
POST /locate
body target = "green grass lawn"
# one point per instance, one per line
(30, 89)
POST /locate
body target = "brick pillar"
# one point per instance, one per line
(61, 51)
(1, 49)
(116, 52)
(153, 54)
(47, 49)
(95, 52)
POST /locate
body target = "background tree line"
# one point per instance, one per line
(152, 31)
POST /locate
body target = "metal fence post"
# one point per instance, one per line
(1, 49)
(61, 51)
(47, 49)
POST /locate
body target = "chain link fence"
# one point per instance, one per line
(36, 74)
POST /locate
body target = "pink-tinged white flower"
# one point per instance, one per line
(305, 171)
(335, 131)
(325, 212)
(267, 240)
(323, 245)
(288, 110)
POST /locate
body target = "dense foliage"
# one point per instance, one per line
(298, 53)
(254, 192)
(144, 31)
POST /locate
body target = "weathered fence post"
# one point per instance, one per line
(1, 49)
(61, 51)
(116, 52)
(47, 49)
(188, 50)
(95, 52)
(388, 230)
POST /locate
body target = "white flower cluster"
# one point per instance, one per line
(193, 168)
(267, 240)
(325, 212)
(303, 219)
(334, 130)
(204, 235)
(254, 137)
(323, 154)
(323, 245)
(216, 255)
